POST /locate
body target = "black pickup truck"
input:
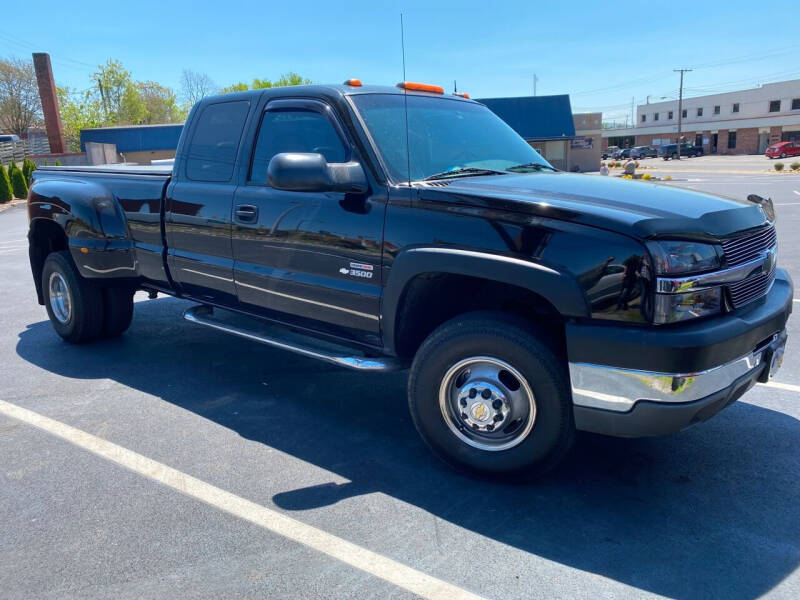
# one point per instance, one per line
(382, 228)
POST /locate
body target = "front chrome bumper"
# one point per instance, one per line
(631, 403)
(610, 388)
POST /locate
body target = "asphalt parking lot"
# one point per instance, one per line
(164, 464)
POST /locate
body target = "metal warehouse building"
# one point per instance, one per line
(546, 123)
(136, 143)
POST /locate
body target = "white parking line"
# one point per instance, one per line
(796, 192)
(370, 562)
(781, 386)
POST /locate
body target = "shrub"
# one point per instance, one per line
(58, 163)
(795, 166)
(6, 194)
(18, 184)
(647, 176)
(668, 178)
(779, 166)
(28, 167)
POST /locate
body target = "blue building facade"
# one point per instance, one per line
(135, 138)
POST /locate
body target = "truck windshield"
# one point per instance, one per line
(445, 137)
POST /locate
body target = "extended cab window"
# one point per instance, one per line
(294, 130)
(212, 150)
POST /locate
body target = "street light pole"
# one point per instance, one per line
(680, 109)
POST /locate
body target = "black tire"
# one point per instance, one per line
(783, 154)
(83, 321)
(520, 345)
(117, 310)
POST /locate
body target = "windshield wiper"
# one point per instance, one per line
(463, 172)
(531, 165)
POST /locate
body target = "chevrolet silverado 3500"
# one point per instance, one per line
(383, 228)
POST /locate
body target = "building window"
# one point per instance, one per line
(699, 112)
(796, 104)
(684, 112)
(774, 106)
(655, 116)
(716, 110)
(669, 114)
(731, 139)
(644, 118)
(735, 107)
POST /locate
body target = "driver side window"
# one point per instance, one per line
(294, 130)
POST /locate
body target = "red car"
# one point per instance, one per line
(783, 149)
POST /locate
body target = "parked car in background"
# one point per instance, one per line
(8, 137)
(687, 149)
(783, 149)
(609, 152)
(623, 153)
(644, 152)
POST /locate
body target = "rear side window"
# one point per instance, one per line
(212, 151)
(294, 130)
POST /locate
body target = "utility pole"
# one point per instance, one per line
(633, 112)
(680, 108)
(535, 79)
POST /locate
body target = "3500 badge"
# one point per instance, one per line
(358, 270)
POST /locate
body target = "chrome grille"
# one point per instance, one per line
(750, 289)
(743, 249)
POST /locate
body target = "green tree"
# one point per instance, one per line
(79, 110)
(160, 103)
(28, 167)
(111, 82)
(236, 87)
(18, 184)
(290, 78)
(6, 194)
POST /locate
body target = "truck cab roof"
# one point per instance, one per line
(325, 90)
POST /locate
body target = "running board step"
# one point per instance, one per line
(278, 337)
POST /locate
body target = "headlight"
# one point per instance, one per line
(671, 308)
(676, 262)
(674, 258)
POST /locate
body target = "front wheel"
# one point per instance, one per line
(490, 396)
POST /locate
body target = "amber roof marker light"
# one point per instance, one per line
(420, 87)
(353, 82)
(461, 95)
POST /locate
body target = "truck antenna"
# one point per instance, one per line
(405, 100)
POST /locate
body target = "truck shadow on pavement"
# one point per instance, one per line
(711, 512)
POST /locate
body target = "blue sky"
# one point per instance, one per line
(602, 53)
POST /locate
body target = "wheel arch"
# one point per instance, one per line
(44, 237)
(421, 274)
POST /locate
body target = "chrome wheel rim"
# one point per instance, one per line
(60, 298)
(487, 403)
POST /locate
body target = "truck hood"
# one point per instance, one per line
(637, 208)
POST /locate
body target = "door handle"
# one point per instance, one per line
(246, 213)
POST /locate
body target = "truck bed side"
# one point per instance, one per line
(111, 220)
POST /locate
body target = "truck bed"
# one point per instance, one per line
(115, 169)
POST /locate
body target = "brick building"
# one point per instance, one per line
(741, 122)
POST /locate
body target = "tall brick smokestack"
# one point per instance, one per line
(47, 93)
